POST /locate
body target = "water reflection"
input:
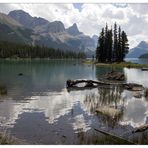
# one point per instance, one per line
(108, 104)
(38, 107)
(135, 113)
(136, 76)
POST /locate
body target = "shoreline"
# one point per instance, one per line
(116, 65)
(29, 59)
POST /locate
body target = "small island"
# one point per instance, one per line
(112, 48)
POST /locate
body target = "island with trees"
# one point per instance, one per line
(112, 48)
(112, 45)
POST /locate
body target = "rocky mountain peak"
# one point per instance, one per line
(4, 19)
(73, 30)
(26, 19)
(140, 49)
(56, 27)
(143, 44)
(22, 17)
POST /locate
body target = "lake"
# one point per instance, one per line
(39, 109)
(137, 60)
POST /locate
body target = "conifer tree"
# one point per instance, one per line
(110, 42)
(119, 50)
(112, 45)
(106, 37)
(124, 45)
(100, 48)
(115, 44)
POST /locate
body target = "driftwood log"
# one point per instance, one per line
(141, 128)
(94, 84)
(89, 83)
(121, 139)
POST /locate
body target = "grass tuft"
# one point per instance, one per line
(3, 90)
(6, 139)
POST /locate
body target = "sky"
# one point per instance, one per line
(90, 18)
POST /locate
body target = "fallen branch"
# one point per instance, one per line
(141, 128)
(114, 136)
(89, 83)
(94, 84)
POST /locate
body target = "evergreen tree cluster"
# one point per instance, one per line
(15, 50)
(112, 45)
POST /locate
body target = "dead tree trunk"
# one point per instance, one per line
(92, 83)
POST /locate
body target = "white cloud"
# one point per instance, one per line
(133, 18)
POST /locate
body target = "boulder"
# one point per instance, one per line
(20, 74)
(108, 111)
(113, 75)
(137, 94)
(133, 87)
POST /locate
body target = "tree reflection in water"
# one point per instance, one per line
(108, 103)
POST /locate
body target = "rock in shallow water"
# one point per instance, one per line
(113, 75)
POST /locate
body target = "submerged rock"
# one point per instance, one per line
(137, 94)
(133, 87)
(144, 69)
(117, 76)
(109, 111)
(20, 74)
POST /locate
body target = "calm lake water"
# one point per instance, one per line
(40, 110)
(138, 60)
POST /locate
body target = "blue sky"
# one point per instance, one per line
(78, 6)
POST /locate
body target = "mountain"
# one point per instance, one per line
(144, 56)
(4, 19)
(95, 38)
(54, 34)
(11, 30)
(26, 19)
(73, 30)
(139, 50)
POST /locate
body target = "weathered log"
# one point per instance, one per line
(141, 128)
(92, 83)
(76, 88)
(114, 136)
(89, 83)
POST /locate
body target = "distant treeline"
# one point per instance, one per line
(15, 50)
